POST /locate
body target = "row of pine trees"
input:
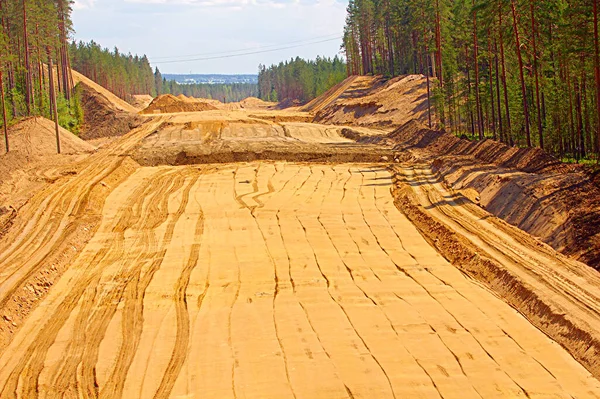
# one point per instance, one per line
(525, 72)
(123, 74)
(127, 75)
(36, 33)
(33, 35)
(299, 79)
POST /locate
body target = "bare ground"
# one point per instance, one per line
(165, 267)
(101, 118)
(528, 188)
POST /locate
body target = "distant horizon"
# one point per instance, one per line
(211, 78)
(209, 74)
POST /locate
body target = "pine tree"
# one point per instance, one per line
(500, 67)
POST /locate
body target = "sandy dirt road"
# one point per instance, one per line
(264, 280)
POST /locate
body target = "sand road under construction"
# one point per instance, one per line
(274, 278)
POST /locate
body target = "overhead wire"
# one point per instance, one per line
(169, 58)
(247, 53)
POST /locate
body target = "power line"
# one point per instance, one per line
(248, 53)
(174, 57)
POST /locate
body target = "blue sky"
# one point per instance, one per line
(172, 28)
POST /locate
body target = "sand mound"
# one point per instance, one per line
(141, 101)
(168, 103)
(288, 103)
(329, 97)
(116, 101)
(36, 137)
(373, 101)
(33, 161)
(102, 118)
(255, 103)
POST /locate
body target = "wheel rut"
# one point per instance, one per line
(266, 280)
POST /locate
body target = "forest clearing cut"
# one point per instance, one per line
(339, 250)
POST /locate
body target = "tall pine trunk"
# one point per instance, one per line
(537, 75)
(476, 62)
(438, 43)
(5, 119)
(499, 101)
(470, 110)
(509, 139)
(28, 79)
(491, 77)
(521, 73)
(53, 100)
(427, 73)
(597, 75)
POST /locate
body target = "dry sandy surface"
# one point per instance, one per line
(228, 136)
(526, 187)
(287, 276)
(141, 101)
(33, 162)
(372, 101)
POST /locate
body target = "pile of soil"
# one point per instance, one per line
(168, 103)
(102, 118)
(36, 137)
(373, 101)
(315, 154)
(112, 98)
(330, 96)
(255, 103)
(33, 162)
(245, 140)
(141, 101)
(304, 118)
(526, 187)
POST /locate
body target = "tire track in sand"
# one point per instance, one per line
(133, 313)
(39, 347)
(183, 319)
(95, 320)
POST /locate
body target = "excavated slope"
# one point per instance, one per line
(526, 187)
(102, 118)
(116, 101)
(330, 96)
(373, 101)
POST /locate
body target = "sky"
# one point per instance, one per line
(175, 30)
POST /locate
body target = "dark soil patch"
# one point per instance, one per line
(101, 118)
(289, 155)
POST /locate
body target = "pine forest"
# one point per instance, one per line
(524, 72)
(299, 79)
(34, 35)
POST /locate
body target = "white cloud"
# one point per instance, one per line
(173, 28)
(83, 4)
